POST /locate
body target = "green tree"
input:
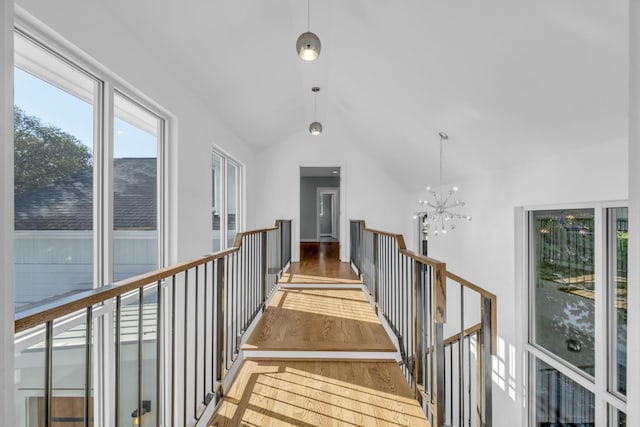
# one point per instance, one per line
(43, 153)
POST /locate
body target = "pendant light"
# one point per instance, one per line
(316, 127)
(308, 44)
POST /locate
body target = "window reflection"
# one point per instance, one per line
(564, 293)
(618, 239)
(561, 401)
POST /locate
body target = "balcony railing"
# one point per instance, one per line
(150, 350)
(413, 293)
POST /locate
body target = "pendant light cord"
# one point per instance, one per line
(308, 15)
(315, 106)
(440, 183)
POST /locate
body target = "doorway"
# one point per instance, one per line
(320, 212)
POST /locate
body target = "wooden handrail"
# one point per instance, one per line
(43, 313)
(441, 295)
(470, 285)
(456, 337)
(494, 307)
(402, 245)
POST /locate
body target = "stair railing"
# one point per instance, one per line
(409, 292)
(162, 342)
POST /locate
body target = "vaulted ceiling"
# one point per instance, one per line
(507, 80)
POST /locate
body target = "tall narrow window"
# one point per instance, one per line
(135, 188)
(578, 316)
(54, 175)
(564, 293)
(233, 180)
(617, 301)
(216, 210)
(226, 186)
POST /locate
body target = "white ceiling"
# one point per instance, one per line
(507, 80)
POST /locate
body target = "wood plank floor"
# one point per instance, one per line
(319, 393)
(270, 390)
(320, 263)
(319, 320)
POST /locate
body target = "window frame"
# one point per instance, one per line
(605, 399)
(109, 83)
(225, 161)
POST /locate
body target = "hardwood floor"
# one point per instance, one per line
(335, 323)
(319, 320)
(320, 263)
(319, 393)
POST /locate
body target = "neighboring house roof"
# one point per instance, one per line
(67, 204)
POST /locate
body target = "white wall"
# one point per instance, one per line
(6, 213)
(368, 192)
(93, 29)
(482, 250)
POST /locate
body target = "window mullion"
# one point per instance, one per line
(600, 324)
(105, 366)
(223, 202)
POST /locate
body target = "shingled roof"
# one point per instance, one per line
(67, 204)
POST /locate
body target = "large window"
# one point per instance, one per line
(137, 136)
(55, 117)
(577, 308)
(69, 235)
(226, 185)
(88, 212)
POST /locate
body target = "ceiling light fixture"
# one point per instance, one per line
(440, 218)
(316, 127)
(308, 44)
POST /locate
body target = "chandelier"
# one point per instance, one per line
(441, 217)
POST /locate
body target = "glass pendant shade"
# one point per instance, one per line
(315, 128)
(308, 46)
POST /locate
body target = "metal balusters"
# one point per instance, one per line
(375, 275)
(263, 268)
(200, 319)
(140, 331)
(185, 349)
(220, 322)
(174, 306)
(88, 346)
(206, 312)
(118, 352)
(48, 373)
(461, 359)
(160, 359)
(196, 304)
